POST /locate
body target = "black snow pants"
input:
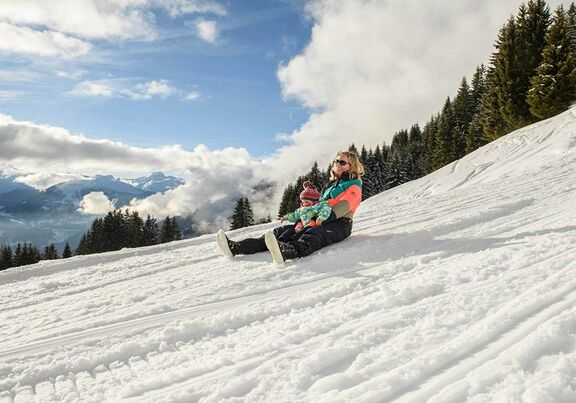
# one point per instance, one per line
(306, 241)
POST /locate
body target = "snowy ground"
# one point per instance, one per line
(460, 286)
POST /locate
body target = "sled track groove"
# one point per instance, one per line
(503, 337)
(106, 283)
(154, 320)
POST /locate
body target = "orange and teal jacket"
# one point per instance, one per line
(344, 195)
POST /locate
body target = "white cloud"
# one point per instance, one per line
(19, 76)
(23, 40)
(43, 180)
(207, 30)
(95, 88)
(214, 178)
(96, 203)
(177, 8)
(66, 28)
(159, 88)
(8, 95)
(192, 96)
(375, 67)
(72, 74)
(122, 88)
(32, 147)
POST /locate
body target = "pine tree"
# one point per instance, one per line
(67, 252)
(328, 174)
(444, 151)
(353, 149)
(243, 215)
(18, 259)
(415, 157)
(518, 53)
(379, 171)
(399, 143)
(248, 213)
(463, 112)
(50, 252)
(572, 30)
(316, 177)
(83, 247)
(135, 229)
(493, 124)
(395, 172)
(6, 257)
(94, 242)
(284, 203)
(533, 22)
(114, 232)
(176, 233)
(151, 231)
(26, 254)
(34, 254)
(368, 186)
(431, 142)
(554, 85)
(166, 231)
(474, 135)
(237, 215)
(506, 77)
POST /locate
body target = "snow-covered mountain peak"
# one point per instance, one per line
(9, 183)
(156, 182)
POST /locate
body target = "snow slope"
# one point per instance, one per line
(460, 286)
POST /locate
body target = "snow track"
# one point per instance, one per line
(457, 287)
(160, 319)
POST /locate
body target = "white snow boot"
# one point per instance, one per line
(274, 247)
(223, 244)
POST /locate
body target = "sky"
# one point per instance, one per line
(151, 73)
(224, 93)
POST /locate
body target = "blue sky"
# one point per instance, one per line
(239, 100)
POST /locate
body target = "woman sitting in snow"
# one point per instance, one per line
(342, 195)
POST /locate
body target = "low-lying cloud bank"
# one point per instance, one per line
(42, 155)
(96, 203)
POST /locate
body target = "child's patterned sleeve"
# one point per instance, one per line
(307, 214)
(324, 210)
(293, 216)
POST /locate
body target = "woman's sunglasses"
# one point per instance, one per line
(342, 163)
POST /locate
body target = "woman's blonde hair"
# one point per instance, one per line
(356, 168)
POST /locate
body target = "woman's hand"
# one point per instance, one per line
(298, 227)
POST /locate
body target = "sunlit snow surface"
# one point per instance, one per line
(460, 286)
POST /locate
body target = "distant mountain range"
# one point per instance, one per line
(156, 183)
(42, 217)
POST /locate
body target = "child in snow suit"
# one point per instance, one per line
(312, 209)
